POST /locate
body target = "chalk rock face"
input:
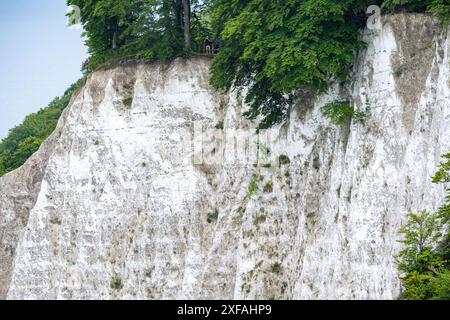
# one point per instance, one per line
(135, 196)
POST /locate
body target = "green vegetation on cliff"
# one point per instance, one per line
(141, 29)
(425, 259)
(25, 139)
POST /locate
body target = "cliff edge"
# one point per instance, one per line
(133, 198)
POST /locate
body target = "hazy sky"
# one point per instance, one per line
(39, 57)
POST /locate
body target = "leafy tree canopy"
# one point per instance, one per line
(278, 46)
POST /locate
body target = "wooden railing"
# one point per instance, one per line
(207, 49)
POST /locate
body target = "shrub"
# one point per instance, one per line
(398, 72)
(213, 216)
(253, 186)
(276, 267)
(55, 220)
(359, 116)
(443, 173)
(441, 286)
(219, 126)
(128, 102)
(268, 188)
(284, 160)
(260, 219)
(116, 283)
(338, 112)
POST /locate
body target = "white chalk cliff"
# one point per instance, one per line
(115, 205)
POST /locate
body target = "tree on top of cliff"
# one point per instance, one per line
(150, 29)
(109, 26)
(276, 47)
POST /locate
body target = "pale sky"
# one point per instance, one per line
(39, 57)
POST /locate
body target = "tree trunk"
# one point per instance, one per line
(178, 8)
(115, 28)
(187, 23)
(114, 41)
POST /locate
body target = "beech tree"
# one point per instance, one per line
(150, 29)
(187, 23)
